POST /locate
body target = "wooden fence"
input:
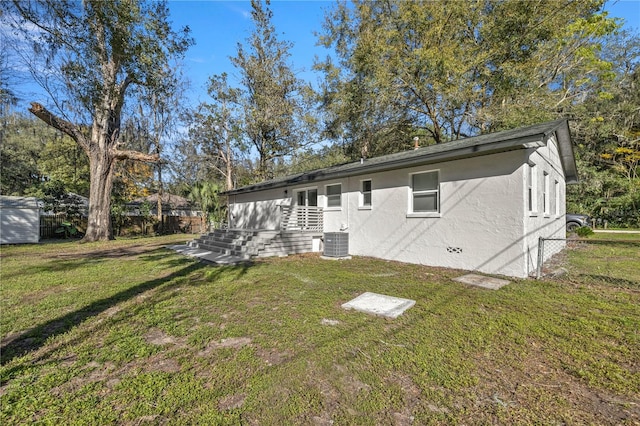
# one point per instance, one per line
(49, 224)
(132, 226)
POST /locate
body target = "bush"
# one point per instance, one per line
(584, 231)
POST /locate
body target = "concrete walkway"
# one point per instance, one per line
(208, 256)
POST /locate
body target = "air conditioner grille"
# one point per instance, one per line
(336, 244)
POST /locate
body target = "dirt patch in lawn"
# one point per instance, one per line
(273, 357)
(231, 342)
(506, 390)
(162, 364)
(231, 402)
(159, 338)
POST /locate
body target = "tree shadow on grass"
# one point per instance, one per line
(608, 280)
(65, 262)
(35, 338)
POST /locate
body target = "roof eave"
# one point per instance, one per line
(457, 154)
(565, 147)
(533, 139)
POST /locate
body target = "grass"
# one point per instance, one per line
(611, 259)
(128, 332)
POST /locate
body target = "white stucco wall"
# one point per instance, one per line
(483, 223)
(538, 223)
(479, 226)
(257, 210)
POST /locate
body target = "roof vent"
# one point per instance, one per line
(416, 142)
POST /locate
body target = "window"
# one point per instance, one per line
(334, 195)
(556, 189)
(365, 191)
(531, 188)
(545, 195)
(425, 192)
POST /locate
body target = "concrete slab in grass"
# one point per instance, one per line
(379, 304)
(482, 281)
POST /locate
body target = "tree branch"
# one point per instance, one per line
(134, 155)
(60, 124)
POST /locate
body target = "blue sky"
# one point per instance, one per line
(217, 27)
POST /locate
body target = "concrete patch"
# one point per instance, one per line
(208, 256)
(379, 304)
(482, 281)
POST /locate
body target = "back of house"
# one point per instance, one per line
(478, 203)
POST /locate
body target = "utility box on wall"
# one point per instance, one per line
(336, 244)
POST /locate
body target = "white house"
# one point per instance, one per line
(478, 203)
(19, 220)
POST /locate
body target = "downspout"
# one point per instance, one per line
(348, 205)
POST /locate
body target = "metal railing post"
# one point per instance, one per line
(540, 257)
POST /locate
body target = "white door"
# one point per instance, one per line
(305, 198)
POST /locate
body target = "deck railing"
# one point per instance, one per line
(301, 218)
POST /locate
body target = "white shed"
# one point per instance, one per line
(20, 220)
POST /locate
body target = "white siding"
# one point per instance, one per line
(19, 220)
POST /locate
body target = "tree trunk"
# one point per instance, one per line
(99, 226)
(159, 204)
(102, 160)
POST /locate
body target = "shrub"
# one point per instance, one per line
(584, 231)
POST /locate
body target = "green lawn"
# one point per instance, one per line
(128, 332)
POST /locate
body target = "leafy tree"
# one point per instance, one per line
(8, 97)
(313, 159)
(62, 160)
(98, 50)
(276, 118)
(22, 144)
(452, 69)
(33, 154)
(607, 132)
(214, 141)
(206, 194)
(160, 113)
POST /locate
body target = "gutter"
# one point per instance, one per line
(365, 167)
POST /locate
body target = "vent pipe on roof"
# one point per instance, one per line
(416, 142)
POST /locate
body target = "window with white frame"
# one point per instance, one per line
(425, 192)
(334, 195)
(546, 208)
(365, 193)
(531, 188)
(556, 191)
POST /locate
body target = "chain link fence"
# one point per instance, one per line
(590, 261)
